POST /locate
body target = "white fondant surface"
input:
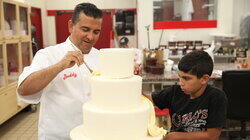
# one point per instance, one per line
(78, 134)
(113, 123)
(117, 62)
(116, 94)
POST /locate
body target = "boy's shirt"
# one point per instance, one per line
(190, 115)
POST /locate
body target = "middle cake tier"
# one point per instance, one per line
(116, 94)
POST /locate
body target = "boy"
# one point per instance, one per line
(198, 110)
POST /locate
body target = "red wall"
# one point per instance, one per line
(36, 20)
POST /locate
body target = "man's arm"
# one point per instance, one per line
(40, 79)
(210, 134)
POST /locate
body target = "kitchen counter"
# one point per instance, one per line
(172, 76)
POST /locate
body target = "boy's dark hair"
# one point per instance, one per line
(88, 9)
(196, 63)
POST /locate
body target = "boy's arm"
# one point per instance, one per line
(210, 134)
(162, 98)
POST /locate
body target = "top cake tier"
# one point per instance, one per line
(117, 62)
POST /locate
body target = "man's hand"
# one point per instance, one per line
(36, 81)
(71, 58)
(138, 70)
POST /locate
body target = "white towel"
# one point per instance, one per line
(187, 10)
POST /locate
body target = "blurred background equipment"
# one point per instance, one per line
(123, 42)
(245, 32)
(125, 24)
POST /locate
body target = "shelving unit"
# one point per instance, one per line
(15, 53)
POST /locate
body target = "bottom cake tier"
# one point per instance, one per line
(78, 134)
(102, 124)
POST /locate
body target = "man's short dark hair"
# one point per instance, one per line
(196, 63)
(88, 9)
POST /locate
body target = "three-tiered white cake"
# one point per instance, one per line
(116, 110)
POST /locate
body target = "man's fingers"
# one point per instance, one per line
(76, 60)
(78, 57)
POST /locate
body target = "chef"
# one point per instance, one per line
(57, 77)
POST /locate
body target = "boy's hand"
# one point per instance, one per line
(137, 70)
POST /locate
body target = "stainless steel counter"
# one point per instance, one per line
(172, 76)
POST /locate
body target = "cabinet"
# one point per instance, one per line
(15, 53)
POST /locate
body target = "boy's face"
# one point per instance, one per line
(191, 85)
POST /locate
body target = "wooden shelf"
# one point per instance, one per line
(15, 31)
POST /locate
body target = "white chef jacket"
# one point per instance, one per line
(187, 10)
(62, 99)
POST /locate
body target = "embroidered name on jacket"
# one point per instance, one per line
(65, 76)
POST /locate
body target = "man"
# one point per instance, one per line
(57, 77)
(198, 110)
